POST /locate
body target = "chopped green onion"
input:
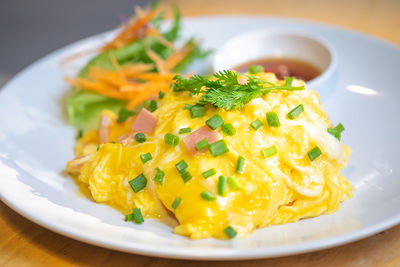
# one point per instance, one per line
(80, 134)
(137, 215)
(124, 114)
(337, 131)
(98, 147)
(138, 183)
(222, 186)
(186, 176)
(272, 119)
(294, 113)
(161, 95)
(234, 183)
(256, 69)
(314, 153)
(240, 164)
(181, 165)
(218, 148)
(209, 173)
(201, 145)
(140, 137)
(176, 202)
(256, 124)
(228, 129)
(208, 196)
(171, 139)
(128, 217)
(188, 107)
(153, 105)
(269, 152)
(197, 111)
(215, 121)
(146, 157)
(184, 130)
(159, 178)
(230, 232)
(289, 81)
(145, 104)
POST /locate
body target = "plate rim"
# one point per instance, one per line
(206, 254)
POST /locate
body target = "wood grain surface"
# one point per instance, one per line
(23, 243)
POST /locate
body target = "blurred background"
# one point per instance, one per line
(31, 29)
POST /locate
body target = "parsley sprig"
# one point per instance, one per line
(223, 89)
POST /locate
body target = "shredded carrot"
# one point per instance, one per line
(131, 32)
(157, 60)
(177, 56)
(134, 83)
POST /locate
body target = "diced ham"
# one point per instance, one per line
(104, 129)
(145, 122)
(126, 139)
(204, 132)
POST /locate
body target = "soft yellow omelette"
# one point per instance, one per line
(279, 189)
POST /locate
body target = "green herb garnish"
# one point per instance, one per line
(184, 130)
(256, 69)
(234, 183)
(140, 137)
(138, 183)
(153, 106)
(222, 186)
(269, 152)
(230, 232)
(314, 153)
(201, 145)
(218, 148)
(161, 95)
(124, 114)
(186, 176)
(208, 196)
(294, 113)
(171, 139)
(197, 111)
(272, 119)
(181, 165)
(256, 124)
(80, 134)
(224, 90)
(240, 165)
(159, 178)
(145, 157)
(228, 129)
(136, 216)
(176, 203)
(337, 131)
(215, 121)
(209, 173)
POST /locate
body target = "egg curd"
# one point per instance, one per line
(272, 189)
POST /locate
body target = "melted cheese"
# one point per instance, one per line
(275, 190)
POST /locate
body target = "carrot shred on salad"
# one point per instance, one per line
(136, 29)
(135, 82)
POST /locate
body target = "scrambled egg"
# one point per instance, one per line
(279, 189)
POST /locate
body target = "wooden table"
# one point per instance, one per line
(24, 243)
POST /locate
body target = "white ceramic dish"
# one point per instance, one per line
(35, 143)
(279, 43)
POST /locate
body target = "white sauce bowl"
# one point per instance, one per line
(262, 44)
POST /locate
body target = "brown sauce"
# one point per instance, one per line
(283, 67)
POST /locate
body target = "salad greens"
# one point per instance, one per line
(84, 107)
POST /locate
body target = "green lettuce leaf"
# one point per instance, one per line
(84, 107)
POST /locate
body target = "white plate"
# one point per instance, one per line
(36, 142)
